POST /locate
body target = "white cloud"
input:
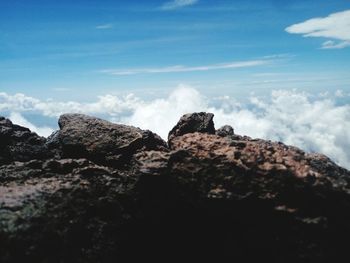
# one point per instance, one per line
(313, 123)
(161, 115)
(107, 104)
(330, 44)
(104, 26)
(172, 5)
(18, 119)
(177, 69)
(339, 93)
(336, 27)
(279, 56)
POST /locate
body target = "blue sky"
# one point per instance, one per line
(81, 49)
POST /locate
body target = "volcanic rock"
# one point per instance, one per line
(193, 122)
(82, 136)
(225, 130)
(219, 197)
(19, 144)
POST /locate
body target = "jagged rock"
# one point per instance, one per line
(193, 122)
(82, 136)
(225, 130)
(211, 197)
(19, 144)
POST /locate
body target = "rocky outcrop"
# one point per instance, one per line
(19, 144)
(109, 192)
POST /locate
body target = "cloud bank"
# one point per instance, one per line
(335, 27)
(313, 123)
(176, 4)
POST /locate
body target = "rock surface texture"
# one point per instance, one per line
(196, 122)
(102, 141)
(95, 191)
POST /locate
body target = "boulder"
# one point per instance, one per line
(82, 136)
(194, 122)
(225, 130)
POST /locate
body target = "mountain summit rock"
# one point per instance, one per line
(96, 191)
(103, 141)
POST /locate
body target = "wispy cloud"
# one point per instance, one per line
(104, 26)
(179, 68)
(279, 56)
(172, 5)
(330, 44)
(336, 27)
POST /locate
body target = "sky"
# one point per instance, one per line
(273, 69)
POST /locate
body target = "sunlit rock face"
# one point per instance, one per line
(95, 191)
(102, 141)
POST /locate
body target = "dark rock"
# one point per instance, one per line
(193, 122)
(66, 211)
(19, 144)
(152, 141)
(219, 198)
(82, 136)
(53, 144)
(225, 130)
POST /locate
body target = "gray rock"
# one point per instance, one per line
(225, 130)
(82, 136)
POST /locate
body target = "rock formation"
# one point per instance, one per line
(101, 192)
